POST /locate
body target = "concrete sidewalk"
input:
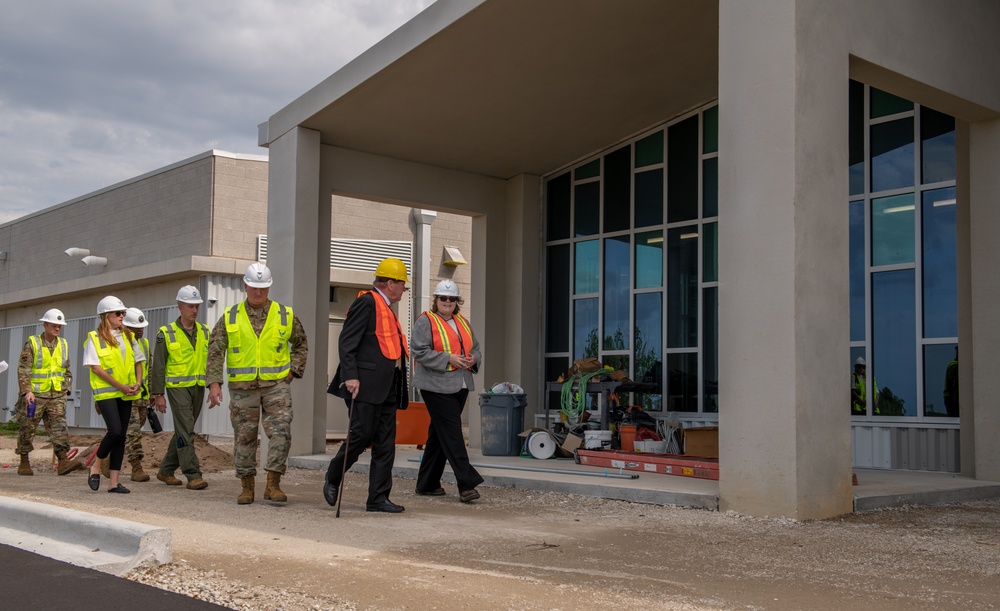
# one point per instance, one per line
(876, 489)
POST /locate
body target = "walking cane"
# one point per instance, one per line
(347, 446)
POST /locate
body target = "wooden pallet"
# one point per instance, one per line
(668, 464)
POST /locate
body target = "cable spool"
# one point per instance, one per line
(541, 445)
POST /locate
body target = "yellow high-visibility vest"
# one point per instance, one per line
(119, 368)
(48, 371)
(186, 364)
(248, 356)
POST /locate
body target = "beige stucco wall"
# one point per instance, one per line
(240, 211)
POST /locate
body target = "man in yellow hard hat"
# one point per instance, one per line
(371, 378)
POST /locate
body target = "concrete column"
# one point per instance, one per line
(784, 416)
(298, 230)
(523, 291)
(420, 288)
(979, 417)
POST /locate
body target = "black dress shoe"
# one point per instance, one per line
(386, 506)
(94, 481)
(436, 492)
(119, 489)
(330, 493)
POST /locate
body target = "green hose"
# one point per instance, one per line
(574, 391)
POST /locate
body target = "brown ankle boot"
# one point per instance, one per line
(273, 492)
(66, 465)
(25, 467)
(138, 475)
(246, 497)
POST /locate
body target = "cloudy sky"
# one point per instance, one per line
(99, 91)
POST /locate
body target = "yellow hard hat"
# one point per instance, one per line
(392, 268)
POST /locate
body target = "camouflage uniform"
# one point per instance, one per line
(133, 438)
(249, 399)
(50, 407)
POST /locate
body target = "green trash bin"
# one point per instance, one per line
(502, 419)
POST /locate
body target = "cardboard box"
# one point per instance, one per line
(702, 441)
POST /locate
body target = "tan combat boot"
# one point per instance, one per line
(273, 492)
(67, 465)
(138, 475)
(246, 497)
(25, 467)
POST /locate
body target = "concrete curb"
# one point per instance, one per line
(106, 544)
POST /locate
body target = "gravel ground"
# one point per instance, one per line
(518, 549)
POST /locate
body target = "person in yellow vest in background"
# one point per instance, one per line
(859, 390)
(44, 379)
(371, 378)
(179, 361)
(445, 353)
(136, 321)
(264, 347)
(116, 365)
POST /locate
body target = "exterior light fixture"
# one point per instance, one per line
(77, 252)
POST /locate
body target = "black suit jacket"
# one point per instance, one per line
(361, 359)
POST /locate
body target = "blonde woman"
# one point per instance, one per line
(116, 364)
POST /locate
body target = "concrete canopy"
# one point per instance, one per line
(503, 88)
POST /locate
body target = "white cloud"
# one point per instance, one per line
(93, 93)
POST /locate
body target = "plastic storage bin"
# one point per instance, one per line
(502, 420)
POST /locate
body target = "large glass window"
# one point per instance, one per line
(904, 305)
(630, 294)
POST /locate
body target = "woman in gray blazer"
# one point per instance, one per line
(446, 354)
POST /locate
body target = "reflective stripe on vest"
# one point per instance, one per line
(112, 362)
(48, 371)
(391, 339)
(185, 363)
(249, 356)
(445, 339)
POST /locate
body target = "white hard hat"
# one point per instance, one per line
(54, 316)
(860, 361)
(110, 304)
(189, 294)
(135, 318)
(257, 276)
(448, 288)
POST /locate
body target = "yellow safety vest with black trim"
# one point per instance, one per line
(122, 370)
(48, 370)
(186, 364)
(447, 340)
(248, 356)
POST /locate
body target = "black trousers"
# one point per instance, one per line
(373, 425)
(445, 442)
(116, 413)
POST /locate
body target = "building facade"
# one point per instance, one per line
(752, 194)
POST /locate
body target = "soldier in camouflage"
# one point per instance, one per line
(264, 347)
(44, 379)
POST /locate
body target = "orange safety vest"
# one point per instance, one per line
(445, 338)
(391, 339)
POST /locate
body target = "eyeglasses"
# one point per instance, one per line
(448, 299)
(119, 313)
